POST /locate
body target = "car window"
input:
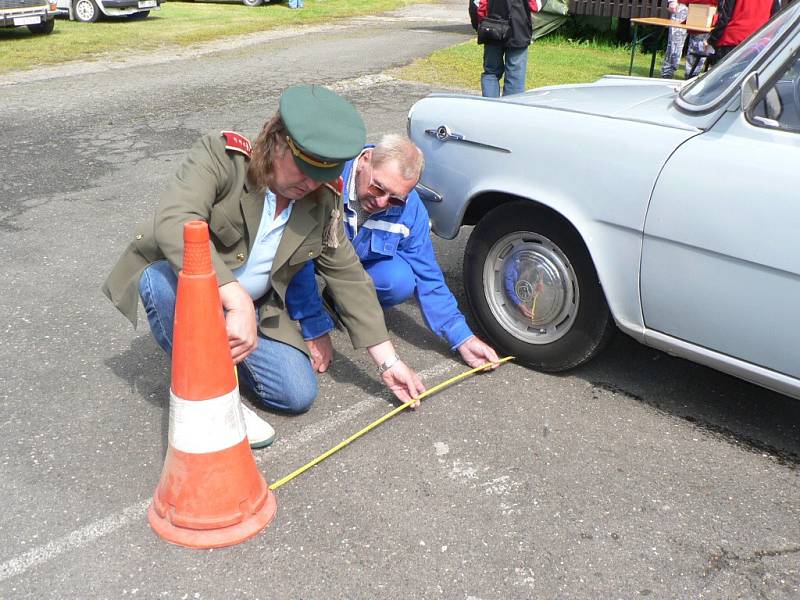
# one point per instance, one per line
(779, 106)
(717, 82)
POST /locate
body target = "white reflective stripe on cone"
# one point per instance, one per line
(201, 426)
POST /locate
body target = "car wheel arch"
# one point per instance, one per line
(482, 204)
(560, 238)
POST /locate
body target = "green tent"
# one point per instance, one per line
(550, 18)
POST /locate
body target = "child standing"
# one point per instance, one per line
(697, 51)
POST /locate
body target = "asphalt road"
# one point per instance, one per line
(636, 475)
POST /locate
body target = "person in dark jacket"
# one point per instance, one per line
(736, 21)
(507, 60)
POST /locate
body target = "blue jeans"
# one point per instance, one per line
(295, 3)
(499, 61)
(278, 374)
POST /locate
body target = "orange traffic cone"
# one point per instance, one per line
(211, 493)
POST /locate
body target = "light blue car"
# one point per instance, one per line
(669, 211)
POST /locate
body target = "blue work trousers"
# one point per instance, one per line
(393, 278)
(278, 374)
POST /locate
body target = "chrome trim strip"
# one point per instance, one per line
(773, 380)
(428, 194)
(444, 134)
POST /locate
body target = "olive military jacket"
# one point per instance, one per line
(212, 185)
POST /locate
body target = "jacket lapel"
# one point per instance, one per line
(252, 208)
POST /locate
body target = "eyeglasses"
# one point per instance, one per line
(377, 191)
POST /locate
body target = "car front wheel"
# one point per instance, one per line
(533, 288)
(252, 2)
(86, 11)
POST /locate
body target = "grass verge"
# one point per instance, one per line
(551, 60)
(175, 24)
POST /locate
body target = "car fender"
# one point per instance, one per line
(597, 172)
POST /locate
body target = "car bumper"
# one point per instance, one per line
(24, 16)
(132, 4)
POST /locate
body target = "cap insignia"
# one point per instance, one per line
(314, 162)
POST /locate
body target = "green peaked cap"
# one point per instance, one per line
(325, 130)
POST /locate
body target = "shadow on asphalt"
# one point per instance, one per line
(743, 414)
(145, 368)
(415, 333)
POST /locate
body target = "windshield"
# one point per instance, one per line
(715, 84)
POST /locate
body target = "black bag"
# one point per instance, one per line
(494, 28)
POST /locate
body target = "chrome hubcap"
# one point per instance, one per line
(84, 10)
(531, 287)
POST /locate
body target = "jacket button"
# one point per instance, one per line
(139, 236)
(240, 256)
(310, 254)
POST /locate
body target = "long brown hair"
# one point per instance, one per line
(270, 141)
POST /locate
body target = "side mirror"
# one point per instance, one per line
(749, 91)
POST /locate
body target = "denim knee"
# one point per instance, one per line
(301, 393)
(296, 396)
(280, 376)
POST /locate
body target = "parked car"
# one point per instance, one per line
(88, 11)
(670, 211)
(36, 15)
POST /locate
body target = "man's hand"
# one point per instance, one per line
(240, 320)
(476, 353)
(399, 378)
(321, 349)
(403, 382)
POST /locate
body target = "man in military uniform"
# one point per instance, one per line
(268, 212)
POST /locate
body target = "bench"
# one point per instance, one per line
(622, 9)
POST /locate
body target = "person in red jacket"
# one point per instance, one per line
(507, 60)
(737, 20)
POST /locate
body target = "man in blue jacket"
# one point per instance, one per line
(388, 226)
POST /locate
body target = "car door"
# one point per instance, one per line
(721, 251)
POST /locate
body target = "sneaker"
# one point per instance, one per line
(259, 432)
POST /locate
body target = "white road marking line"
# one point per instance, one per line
(75, 539)
(311, 432)
(94, 531)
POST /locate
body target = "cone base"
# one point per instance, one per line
(214, 538)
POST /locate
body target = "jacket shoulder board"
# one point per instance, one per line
(337, 185)
(236, 141)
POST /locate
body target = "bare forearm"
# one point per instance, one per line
(382, 352)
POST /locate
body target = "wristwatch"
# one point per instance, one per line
(388, 364)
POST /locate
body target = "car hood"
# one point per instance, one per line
(631, 98)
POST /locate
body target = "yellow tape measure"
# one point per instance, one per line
(385, 417)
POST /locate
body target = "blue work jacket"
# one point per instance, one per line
(402, 231)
